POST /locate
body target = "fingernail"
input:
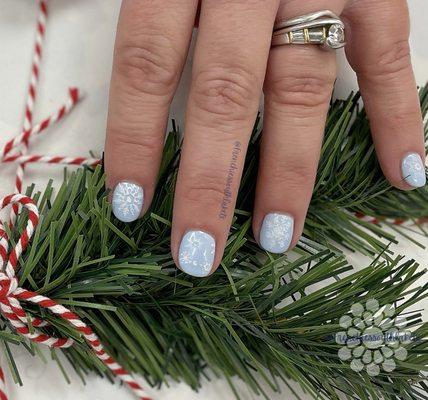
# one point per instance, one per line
(276, 232)
(196, 254)
(413, 170)
(127, 201)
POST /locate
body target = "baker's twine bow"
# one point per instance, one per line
(11, 296)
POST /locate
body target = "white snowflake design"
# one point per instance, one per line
(373, 338)
(278, 230)
(127, 201)
(413, 169)
(196, 253)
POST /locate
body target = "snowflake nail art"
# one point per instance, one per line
(196, 254)
(127, 201)
(413, 170)
(276, 232)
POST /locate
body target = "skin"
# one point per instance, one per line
(233, 65)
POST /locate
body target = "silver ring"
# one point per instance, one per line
(322, 28)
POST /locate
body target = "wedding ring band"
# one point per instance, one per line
(322, 28)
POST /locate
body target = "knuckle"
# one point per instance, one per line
(307, 93)
(206, 188)
(132, 145)
(392, 61)
(148, 64)
(399, 115)
(250, 4)
(225, 93)
(293, 176)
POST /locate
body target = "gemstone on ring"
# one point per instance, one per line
(336, 36)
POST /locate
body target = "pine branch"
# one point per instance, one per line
(259, 317)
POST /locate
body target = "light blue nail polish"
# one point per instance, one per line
(196, 254)
(413, 170)
(276, 232)
(127, 201)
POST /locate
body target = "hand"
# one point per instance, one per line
(233, 62)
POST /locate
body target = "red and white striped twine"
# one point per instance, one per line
(26, 136)
(11, 294)
(377, 221)
(29, 130)
(391, 221)
(31, 97)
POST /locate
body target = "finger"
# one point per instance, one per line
(150, 50)
(298, 86)
(378, 50)
(228, 71)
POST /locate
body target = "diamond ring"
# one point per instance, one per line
(323, 28)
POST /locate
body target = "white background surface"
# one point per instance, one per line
(78, 52)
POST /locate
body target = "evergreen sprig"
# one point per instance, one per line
(260, 317)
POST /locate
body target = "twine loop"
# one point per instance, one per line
(7, 285)
(11, 294)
